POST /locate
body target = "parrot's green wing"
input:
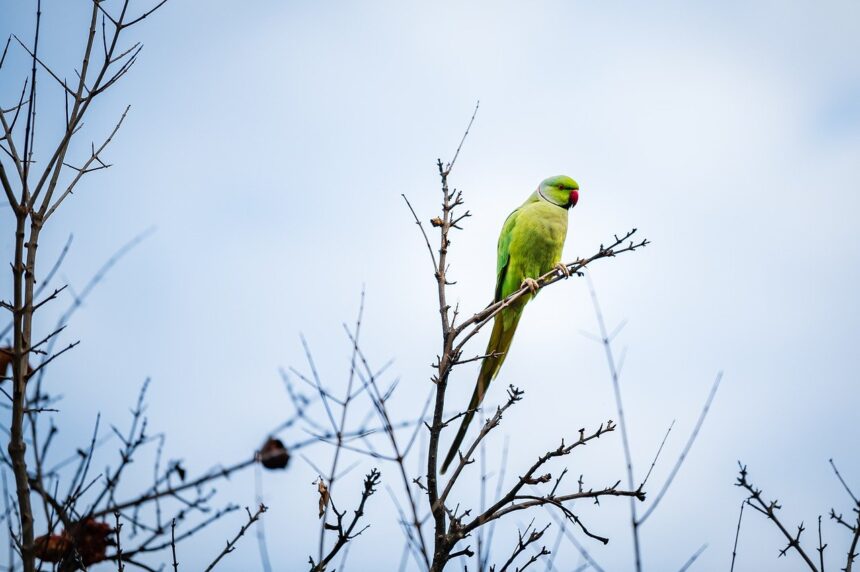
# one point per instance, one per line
(504, 326)
(504, 255)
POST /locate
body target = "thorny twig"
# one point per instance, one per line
(769, 509)
(346, 532)
(231, 544)
(524, 539)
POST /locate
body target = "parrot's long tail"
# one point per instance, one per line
(504, 327)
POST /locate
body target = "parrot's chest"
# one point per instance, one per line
(542, 235)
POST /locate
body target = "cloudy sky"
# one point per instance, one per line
(268, 143)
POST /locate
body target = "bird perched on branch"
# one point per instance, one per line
(530, 245)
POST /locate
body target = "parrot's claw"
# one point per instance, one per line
(532, 284)
(561, 267)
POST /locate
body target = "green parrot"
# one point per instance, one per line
(530, 245)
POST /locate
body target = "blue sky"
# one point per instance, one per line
(269, 143)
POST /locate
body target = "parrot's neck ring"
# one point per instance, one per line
(546, 198)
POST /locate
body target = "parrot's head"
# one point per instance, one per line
(561, 190)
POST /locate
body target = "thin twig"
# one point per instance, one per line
(463, 139)
(737, 536)
(686, 450)
(173, 544)
(231, 544)
(769, 509)
(692, 558)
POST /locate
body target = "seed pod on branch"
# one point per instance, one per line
(52, 547)
(85, 543)
(92, 539)
(274, 454)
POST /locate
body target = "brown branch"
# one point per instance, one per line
(769, 509)
(85, 169)
(339, 426)
(7, 186)
(450, 165)
(30, 126)
(738, 534)
(442, 544)
(119, 557)
(844, 484)
(44, 66)
(507, 503)
(378, 401)
(852, 550)
(52, 358)
(231, 544)
(423, 232)
(172, 491)
(79, 107)
(148, 546)
(821, 546)
(853, 528)
(473, 325)
(144, 15)
(345, 534)
(5, 51)
(7, 135)
(514, 395)
(557, 500)
(657, 455)
(589, 560)
(524, 539)
(173, 545)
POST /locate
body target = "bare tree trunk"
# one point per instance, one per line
(23, 320)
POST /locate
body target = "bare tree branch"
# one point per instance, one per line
(231, 544)
(756, 501)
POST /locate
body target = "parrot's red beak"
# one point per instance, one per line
(574, 197)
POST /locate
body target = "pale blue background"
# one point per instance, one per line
(269, 143)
